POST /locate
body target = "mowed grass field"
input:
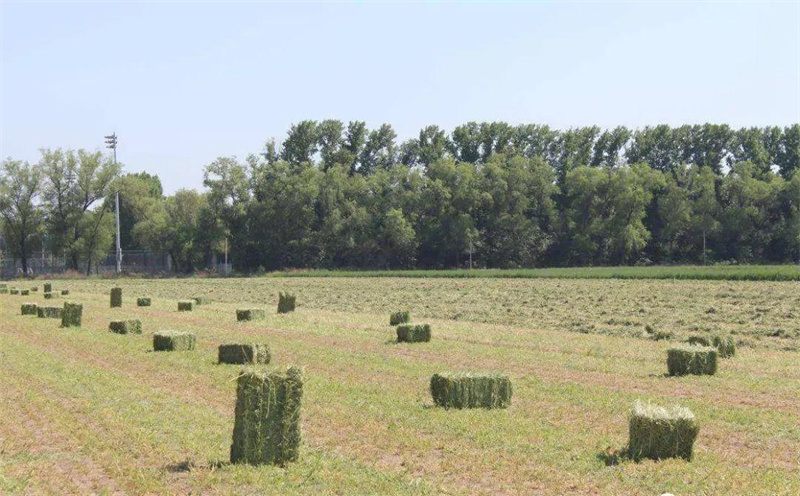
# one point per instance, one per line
(87, 411)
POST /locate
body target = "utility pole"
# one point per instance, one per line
(111, 142)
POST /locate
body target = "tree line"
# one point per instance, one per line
(342, 195)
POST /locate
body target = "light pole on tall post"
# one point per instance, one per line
(111, 142)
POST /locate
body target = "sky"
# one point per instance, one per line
(182, 83)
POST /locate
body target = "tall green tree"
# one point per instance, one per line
(20, 189)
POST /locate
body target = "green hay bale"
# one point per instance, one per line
(14, 291)
(173, 341)
(116, 297)
(419, 333)
(725, 345)
(48, 287)
(49, 312)
(24, 292)
(690, 359)
(266, 428)
(143, 302)
(186, 305)
(132, 326)
(34, 289)
(3, 286)
(251, 314)
(28, 308)
(3, 290)
(657, 432)
(471, 390)
(286, 302)
(71, 315)
(50, 295)
(244, 353)
(64, 292)
(399, 318)
(201, 300)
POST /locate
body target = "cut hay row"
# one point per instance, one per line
(131, 326)
(244, 353)
(658, 433)
(471, 390)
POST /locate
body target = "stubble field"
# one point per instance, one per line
(88, 411)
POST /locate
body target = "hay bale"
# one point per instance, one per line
(471, 390)
(64, 292)
(71, 315)
(132, 326)
(186, 305)
(251, 314)
(725, 345)
(24, 292)
(28, 308)
(244, 353)
(116, 297)
(14, 291)
(48, 287)
(3, 285)
(173, 341)
(286, 302)
(3, 290)
(699, 340)
(657, 432)
(49, 312)
(34, 289)
(266, 428)
(143, 302)
(201, 300)
(691, 359)
(399, 318)
(50, 295)
(419, 333)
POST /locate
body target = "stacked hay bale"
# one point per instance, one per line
(471, 390)
(185, 305)
(250, 314)
(266, 429)
(657, 432)
(418, 333)
(28, 308)
(132, 326)
(286, 302)
(71, 314)
(399, 318)
(173, 341)
(116, 297)
(201, 300)
(244, 353)
(48, 287)
(49, 295)
(143, 302)
(691, 359)
(49, 312)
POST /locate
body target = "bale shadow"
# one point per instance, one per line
(612, 457)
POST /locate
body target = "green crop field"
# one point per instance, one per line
(88, 411)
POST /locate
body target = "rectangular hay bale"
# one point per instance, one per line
(116, 297)
(471, 390)
(418, 333)
(131, 326)
(399, 318)
(71, 314)
(25, 292)
(186, 305)
(64, 292)
(244, 353)
(48, 287)
(691, 359)
(266, 428)
(3, 290)
(28, 308)
(286, 302)
(143, 302)
(725, 345)
(250, 314)
(49, 312)
(173, 341)
(14, 291)
(658, 433)
(49, 295)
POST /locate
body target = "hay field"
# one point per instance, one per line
(88, 411)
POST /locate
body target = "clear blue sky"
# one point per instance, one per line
(183, 83)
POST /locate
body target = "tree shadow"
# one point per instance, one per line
(612, 457)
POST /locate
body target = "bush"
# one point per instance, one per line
(50, 295)
(244, 353)
(691, 359)
(48, 287)
(133, 326)
(186, 305)
(471, 390)
(725, 345)
(71, 315)
(266, 428)
(419, 333)
(49, 312)
(173, 341)
(116, 297)
(143, 302)
(286, 302)
(658, 433)
(201, 300)
(250, 314)
(399, 318)
(64, 292)
(28, 308)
